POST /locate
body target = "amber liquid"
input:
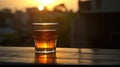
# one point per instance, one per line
(45, 40)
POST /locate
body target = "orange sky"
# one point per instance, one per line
(22, 4)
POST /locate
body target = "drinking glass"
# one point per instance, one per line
(45, 37)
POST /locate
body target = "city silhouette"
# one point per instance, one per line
(95, 25)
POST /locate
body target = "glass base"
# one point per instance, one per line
(45, 50)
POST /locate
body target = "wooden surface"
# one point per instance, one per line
(63, 56)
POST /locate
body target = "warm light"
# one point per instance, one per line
(42, 59)
(45, 59)
(84, 0)
(41, 8)
(45, 2)
(42, 45)
(45, 45)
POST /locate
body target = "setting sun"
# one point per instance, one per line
(46, 2)
(49, 4)
(41, 8)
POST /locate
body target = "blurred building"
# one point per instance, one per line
(96, 24)
(13, 27)
(99, 5)
(21, 21)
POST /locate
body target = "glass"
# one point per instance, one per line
(45, 37)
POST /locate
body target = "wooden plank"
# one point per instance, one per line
(63, 55)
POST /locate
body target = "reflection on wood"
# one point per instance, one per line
(63, 56)
(45, 58)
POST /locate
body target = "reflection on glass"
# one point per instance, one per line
(45, 58)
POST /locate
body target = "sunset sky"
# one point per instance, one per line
(22, 4)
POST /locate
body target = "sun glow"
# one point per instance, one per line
(41, 8)
(45, 2)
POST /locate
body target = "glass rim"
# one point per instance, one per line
(45, 23)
